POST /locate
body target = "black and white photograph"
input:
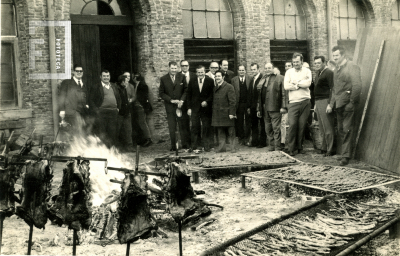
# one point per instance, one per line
(200, 127)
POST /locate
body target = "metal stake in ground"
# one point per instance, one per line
(74, 239)
(128, 247)
(2, 216)
(180, 237)
(30, 239)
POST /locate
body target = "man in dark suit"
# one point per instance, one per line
(241, 84)
(226, 74)
(223, 112)
(106, 102)
(345, 96)
(73, 101)
(189, 76)
(199, 99)
(172, 90)
(271, 105)
(258, 136)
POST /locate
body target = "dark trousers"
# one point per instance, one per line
(108, 126)
(326, 125)
(222, 132)
(173, 122)
(140, 130)
(185, 128)
(125, 131)
(297, 117)
(273, 128)
(345, 119)
(201, 124)
(242, 122)
(258, 135)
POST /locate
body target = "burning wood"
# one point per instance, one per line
(133, 210)
(73, 203)
(35, 193)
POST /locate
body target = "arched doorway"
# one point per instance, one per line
(208, 32)
(288, 31)
(102, 38)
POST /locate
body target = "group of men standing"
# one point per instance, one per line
(104, 108)
(255, 108)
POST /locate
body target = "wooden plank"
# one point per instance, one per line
(384, 100)
(369, 92)
(12, 124)
(371, 49)
(11, 114)
(100, 20)
(388, 104)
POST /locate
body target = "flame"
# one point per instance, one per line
(92, 146)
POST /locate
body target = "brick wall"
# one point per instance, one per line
(158, 33)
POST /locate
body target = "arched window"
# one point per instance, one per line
(350, 19)
(287, 20)
(99, 7)
(9, 87)
(207, 19)
(396, 14)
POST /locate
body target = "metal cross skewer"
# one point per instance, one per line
(30, 239)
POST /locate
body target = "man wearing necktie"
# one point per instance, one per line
(241, 85)
(189, 76)
(271, 105)
(173, 89)
(199, 99)
(73, 100)
(258, 136)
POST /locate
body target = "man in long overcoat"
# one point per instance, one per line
(224, 111)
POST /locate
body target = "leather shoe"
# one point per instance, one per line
(328, 154)
(271, 148)
(301, 151)
(172, 149)
(261, 146)
(344, 161)
(291, 153)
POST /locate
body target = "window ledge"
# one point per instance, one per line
(15, 114)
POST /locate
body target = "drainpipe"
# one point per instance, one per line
(52, 50)
(329, 25)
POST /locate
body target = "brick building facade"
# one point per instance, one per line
(157, 35)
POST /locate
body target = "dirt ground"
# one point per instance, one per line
(244, 209)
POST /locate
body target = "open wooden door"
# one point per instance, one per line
(86, 51)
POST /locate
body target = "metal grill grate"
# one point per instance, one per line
(285, 235)
(327, 178)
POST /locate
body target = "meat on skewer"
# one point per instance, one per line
(72, 206)
(35, 193)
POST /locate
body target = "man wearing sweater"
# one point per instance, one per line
(297, 82)
(322, 93)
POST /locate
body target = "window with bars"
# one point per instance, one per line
(9, 66)
(350, 19)
(287, 20)
(396, 14)
(207, 19)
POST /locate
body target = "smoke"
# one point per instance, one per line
(92, 146)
